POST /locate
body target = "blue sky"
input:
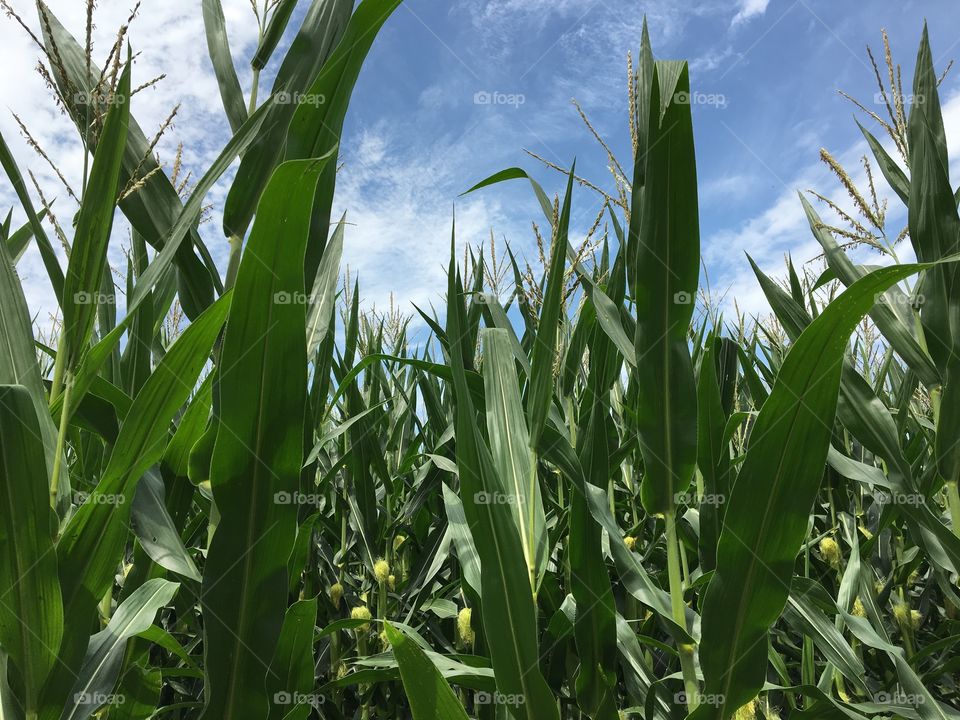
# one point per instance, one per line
(416, 135)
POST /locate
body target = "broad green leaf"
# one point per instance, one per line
(316, 124)
(513, 459)
(290, 678)
(508, 611)
(31, 614)
(766, 518)
(664, 247)
(92, 543)
(88, 255)
(101, 667)
(259, 450)
(320, 31)
(156, 531)
(18, 360)
(429, 695)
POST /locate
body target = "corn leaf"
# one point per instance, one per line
(259, 450)
(31, 614)
(429, 694)
(766, 518)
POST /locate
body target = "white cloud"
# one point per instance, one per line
(749, 9)
(399, 219)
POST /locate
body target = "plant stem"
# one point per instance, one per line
(58, 368)
(254, 90)
(233, 262)
(679, 611)
(953, 498)
(61, 439)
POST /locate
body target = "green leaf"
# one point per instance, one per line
(896, 178)
(259, 449)
(316, 126)
(766, 518)
(290, 677)
(513, 459)
(158, 536)
(320, 316)
(88, 255)
(271, 36)
(101, 666)
(47, 254)
(540, 390)
(664, 247)
(429, 695)
(31, 614)
(18, 360)
(810, 620)
(932, 215)
(459, 530)
(632, 574)
(218, 45)
(140, 689)
(516, 173)
(508, 611)
(321, 30)
(92, 544)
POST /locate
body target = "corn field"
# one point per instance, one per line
(585, 494)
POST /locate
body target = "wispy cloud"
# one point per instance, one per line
(749, 9)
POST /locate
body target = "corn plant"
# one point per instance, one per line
(583, 494)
